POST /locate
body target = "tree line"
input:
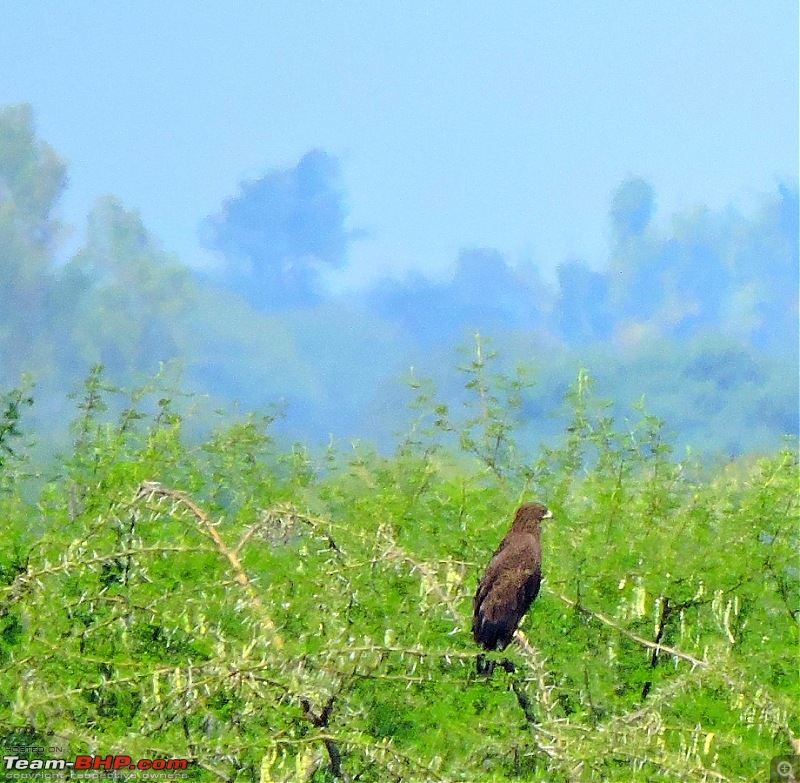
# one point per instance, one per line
(701, 319)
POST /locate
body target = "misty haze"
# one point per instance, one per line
(699, 322)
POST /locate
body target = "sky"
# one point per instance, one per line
(457, 124)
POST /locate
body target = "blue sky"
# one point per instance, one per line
(458, 124)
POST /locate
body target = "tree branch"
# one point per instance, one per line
(320, 721)
(150, 489)
(638, 639)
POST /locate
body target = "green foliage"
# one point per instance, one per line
(12, 405)
(277, 618)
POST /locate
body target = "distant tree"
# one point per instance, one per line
(714, 272)
(632, 207)
(490, 294)
(582, 307)
(281, 231)
(485, 294)
(130, 293)
(417, 304)
(766, 274)
(32, 179)
(635, 265)
(694, 277)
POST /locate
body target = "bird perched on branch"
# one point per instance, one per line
(509, 584)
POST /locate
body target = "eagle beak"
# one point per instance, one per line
(548, 514)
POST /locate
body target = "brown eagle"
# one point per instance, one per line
(510, 582)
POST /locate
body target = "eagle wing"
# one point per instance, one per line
(508, 587)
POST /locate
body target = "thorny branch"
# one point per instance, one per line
(659, 648)
(151, 489)
(320, 721)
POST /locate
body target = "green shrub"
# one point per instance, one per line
(274, 617)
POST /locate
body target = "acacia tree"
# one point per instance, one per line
(272, 618)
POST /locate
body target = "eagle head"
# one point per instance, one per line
(529, 516)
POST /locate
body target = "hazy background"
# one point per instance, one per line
(297, 203)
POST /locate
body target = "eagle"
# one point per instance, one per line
(510, 583)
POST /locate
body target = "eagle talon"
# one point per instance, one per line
(484, 666)
(508, 666)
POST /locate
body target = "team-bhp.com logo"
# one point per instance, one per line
(104, 763)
